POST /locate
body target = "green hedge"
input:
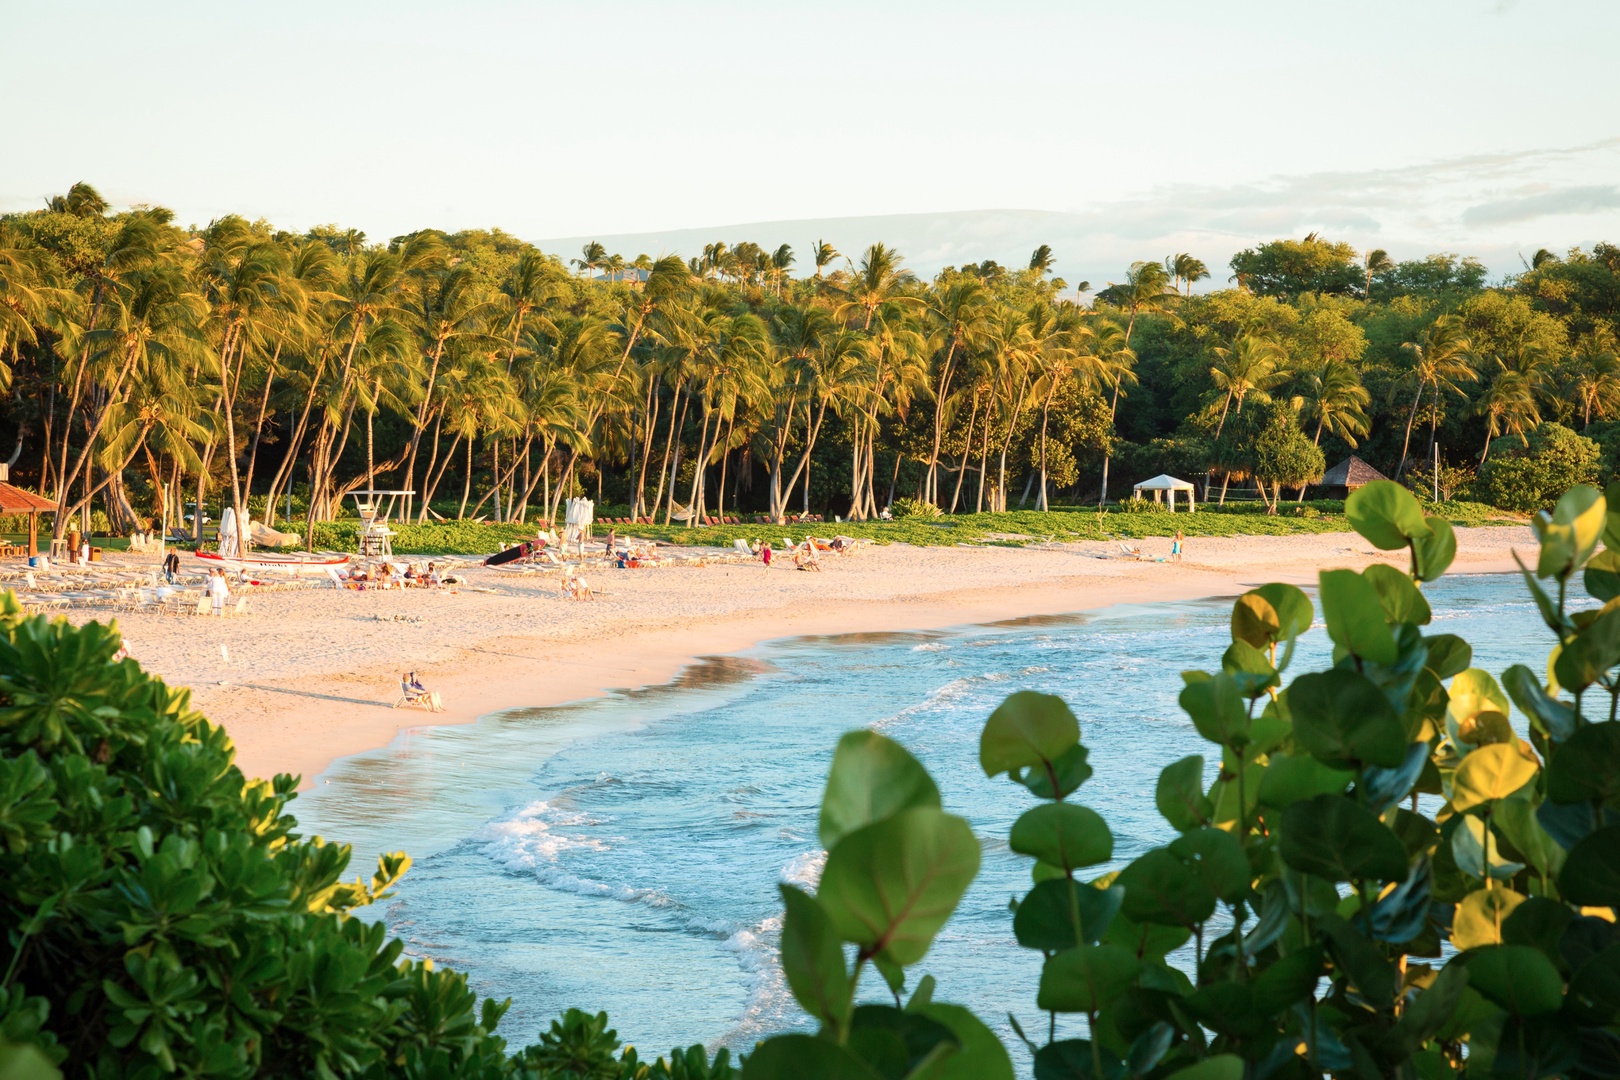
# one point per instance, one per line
(164, 916)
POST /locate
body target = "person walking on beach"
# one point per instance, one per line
(1175, 547)
(218, 589)
(765, 554)
(171, 566)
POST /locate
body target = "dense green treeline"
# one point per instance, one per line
(149, 367)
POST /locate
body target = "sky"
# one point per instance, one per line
(954, 130)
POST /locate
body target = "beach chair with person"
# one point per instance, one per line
(412, 692)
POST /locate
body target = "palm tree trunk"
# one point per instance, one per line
(1410, 418)
(967, 450)
(466, 483)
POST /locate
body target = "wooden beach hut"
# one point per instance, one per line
(1345, 477)
(1164, 486)
(14, 500)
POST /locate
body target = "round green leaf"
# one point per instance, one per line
(1218, 858)
(1355, 616)
(1479, 918)
(1490, 773)
(1596, 986)
(1594, 651)
(1435, 552)
(1448, 654)
(891, 885)
(1292, 777)
(1587, 766)
(1591, 874)
(1029, 728)
(1517, 977)
(1344, 720)
(805, 1057)
(813, 958)
(980, 1056)
(1086, 979)
(1602, 576)
(1336, 839)
(1254, 620)
(1401, 599)
(1217, 707)
(1063, 834)
(872, 777)
(1219, 1067)
(1180, 796)
(1386, 514)
(1045, 918)
(1163, 889)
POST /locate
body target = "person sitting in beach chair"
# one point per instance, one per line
(412, 692)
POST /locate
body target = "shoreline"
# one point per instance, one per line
(308, 679)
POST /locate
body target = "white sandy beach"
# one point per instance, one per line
(311, 673)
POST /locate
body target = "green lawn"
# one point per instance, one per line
(1011, 529)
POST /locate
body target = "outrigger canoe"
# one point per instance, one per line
(285, 564)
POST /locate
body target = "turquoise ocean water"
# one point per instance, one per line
(623, 853)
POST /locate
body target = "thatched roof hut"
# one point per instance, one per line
(1345, 477)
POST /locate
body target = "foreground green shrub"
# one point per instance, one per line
(163, 917)
(1297, 925)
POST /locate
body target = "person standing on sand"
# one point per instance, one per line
(1175, 547)
(765, 554)
(218, 590)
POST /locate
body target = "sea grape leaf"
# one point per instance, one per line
(1086, 979)
(872, 777)
(1217, 707)
(1219, 1067)
(1063, 834)
(1029, 728)
(1518, 978)
(1362, 960)
(1292, 777)
(1334, 838)
(1382, 788)
(1180, 796)
(1430, 1010)
(1538, 922)
(1070, 769)
(1432, 554)
(1345, 721)
(1355, 616)
(891, 885)
(1552, 717)
(1516, 818)
(900, 1042)
(1152, 941)
(980, 1055)
(1490, 773)
(1249, 668)
(1587, 766)
(805, 1057)
(1596, 986)
(1402, 601)
(1045, 918)
(1448, 654)
(1595, 649)
(1163, 889)
(1602, 575)
(1468, 841)
(1386, 514)
(1218, 858)
(1571, 533)
(813, 958)
(1255, 620)
(1402, 913)
(1478, 920)
(1591, 874)
(1474, 691)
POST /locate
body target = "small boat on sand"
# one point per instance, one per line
(287, 563)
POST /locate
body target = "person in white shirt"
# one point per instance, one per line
(219, 590)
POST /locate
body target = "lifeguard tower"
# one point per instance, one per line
(376, 509)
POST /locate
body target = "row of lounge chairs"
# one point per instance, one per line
(759, 519)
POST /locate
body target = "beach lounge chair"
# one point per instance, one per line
(742, 547)
(1130, 552)
(205, 605)
(427, 699)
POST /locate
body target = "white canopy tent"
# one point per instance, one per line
(1165, 486)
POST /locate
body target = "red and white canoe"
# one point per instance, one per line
(283, 564)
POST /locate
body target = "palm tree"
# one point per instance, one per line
(1376, 261)
(1333, 394)
(1183, 268)
(1595, 374)
(823, 253)
(879, 280)
(1250, 368)
(1041, 260)
(1145, 289)
(958, 315)
(1441, 358)
(1508, 405)
(781, 260)
(592, 255)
